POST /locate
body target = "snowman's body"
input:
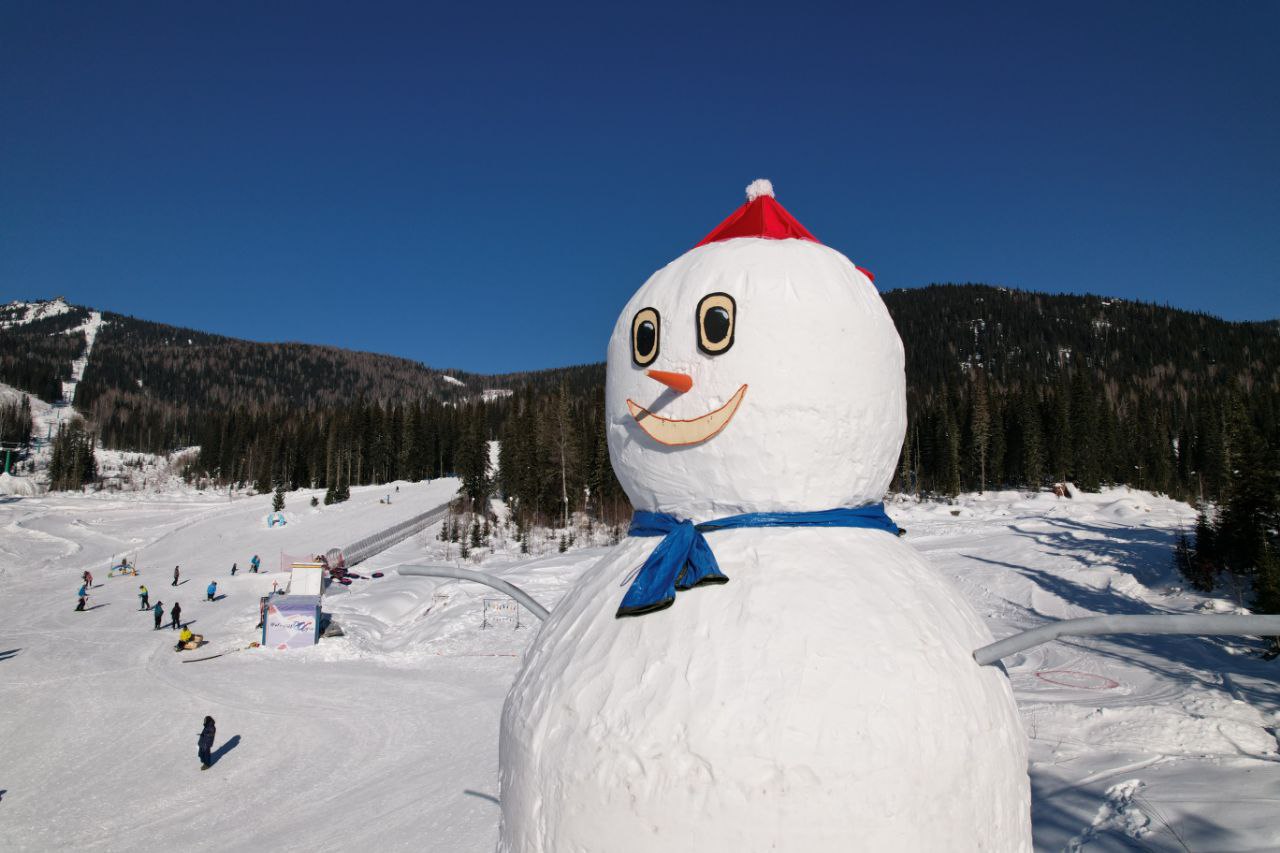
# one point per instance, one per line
(825, 698)
(822, 700)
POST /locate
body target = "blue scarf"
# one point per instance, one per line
(683, 559)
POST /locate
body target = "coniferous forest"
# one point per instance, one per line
(1006, 389)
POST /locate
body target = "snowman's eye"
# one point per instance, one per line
(717, 314)
(644, 336)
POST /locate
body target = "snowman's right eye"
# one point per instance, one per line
(645, 329)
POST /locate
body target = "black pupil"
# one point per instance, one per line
(646, 336)
(715, 324)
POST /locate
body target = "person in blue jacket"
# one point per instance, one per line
(158, 612)
(206, 743)
(211, 590)
(254, 563)
(84, 595)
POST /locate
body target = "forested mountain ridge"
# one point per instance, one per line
(1008, 387)
(1005, 387)
(1018, 336)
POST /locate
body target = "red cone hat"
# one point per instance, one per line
(761, 216)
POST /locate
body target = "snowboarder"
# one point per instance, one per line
(84, 596)
(175, 575)
(233, 570)
(187, 640)
(211, 590)
(207, 735)
(175, 614)
(254, 563)
(158, 612)
(142, 595)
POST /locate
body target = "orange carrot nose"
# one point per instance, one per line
(675, 381)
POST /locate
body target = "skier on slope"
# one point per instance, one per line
(211, 590)
(142, 597)
(233, 570)
(254, 563)
(175, 575)
(158, 612)
(207, 735)
(84, 596)
(175, 614)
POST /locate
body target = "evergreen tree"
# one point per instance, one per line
(1032, 450)
(949, 445)
(980, 428)
(473, 458)
(277, 501)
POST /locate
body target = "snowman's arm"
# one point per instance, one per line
(1200, 626)
(479, 577)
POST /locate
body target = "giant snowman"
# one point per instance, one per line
(816, 690)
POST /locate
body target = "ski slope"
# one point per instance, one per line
(386, 738)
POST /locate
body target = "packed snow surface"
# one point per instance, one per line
(387, 738)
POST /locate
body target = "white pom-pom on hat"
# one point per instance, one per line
(759, 187)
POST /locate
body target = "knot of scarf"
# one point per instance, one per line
(683, 559)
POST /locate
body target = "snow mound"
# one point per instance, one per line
(20, 486)
(1124, 509)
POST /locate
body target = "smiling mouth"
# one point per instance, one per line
(680, 433)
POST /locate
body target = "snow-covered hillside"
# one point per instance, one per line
(387, 738)
(90, 328)
(19, 313)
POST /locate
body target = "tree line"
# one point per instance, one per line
(1237, 539)
(977, 435)
(16, 423)
(72, 464)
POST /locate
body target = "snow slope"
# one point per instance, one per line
(90, 328)
(387, 738)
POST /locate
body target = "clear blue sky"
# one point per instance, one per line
(484, 188)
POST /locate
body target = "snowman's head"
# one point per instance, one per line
(760, 371)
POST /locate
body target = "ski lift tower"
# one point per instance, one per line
(9, 448)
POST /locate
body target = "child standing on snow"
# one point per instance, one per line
(158, 612)
(175, 575)
(142, 595)
(254, 563)
(176, 614)
(207, 735)
(211, 590)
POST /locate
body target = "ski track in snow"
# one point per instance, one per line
(387, 738)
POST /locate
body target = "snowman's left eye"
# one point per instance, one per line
(717, 316)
